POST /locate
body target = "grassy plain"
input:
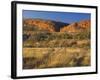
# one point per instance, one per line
(56, 49)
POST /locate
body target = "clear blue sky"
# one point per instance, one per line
(66, 17)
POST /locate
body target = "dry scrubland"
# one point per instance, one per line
(56, 49)
(55, 57)
(51, 44)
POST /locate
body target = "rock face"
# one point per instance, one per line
(78, 26)
(40, 24)
(54, 26)
(44, 25)
(85, 24)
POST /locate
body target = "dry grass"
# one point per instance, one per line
(55, 57)
(51, 50)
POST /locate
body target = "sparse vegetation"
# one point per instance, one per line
(45, 49)
(52, 57)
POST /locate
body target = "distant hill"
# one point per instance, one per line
(44, 25)
(77, 26)
(54, 26)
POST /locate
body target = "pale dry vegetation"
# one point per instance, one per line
(55, 57)
(50, 50)
(45, 49)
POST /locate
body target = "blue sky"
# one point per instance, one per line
(66, 17)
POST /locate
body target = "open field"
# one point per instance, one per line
(55, 57)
